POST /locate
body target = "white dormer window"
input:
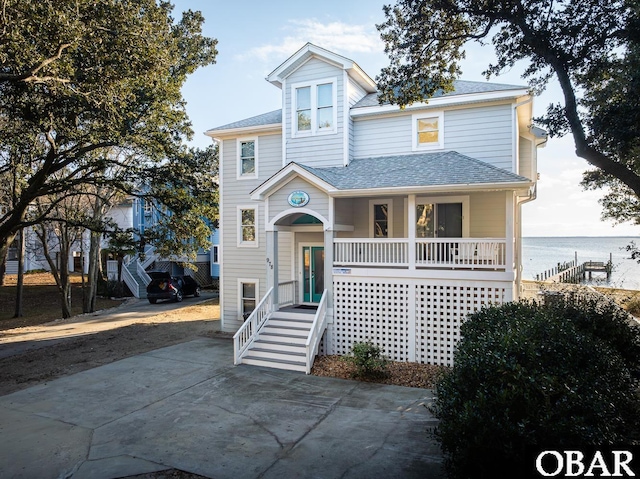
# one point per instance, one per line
(314, 110)
(428, 131)
(247, 157)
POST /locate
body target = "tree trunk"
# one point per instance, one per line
(20, 286)
(91, 291)
(5, 242)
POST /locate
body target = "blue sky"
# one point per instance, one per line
(255, 37)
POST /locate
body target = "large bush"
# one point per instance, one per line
(528, 377)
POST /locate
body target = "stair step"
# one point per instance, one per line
(279, 345)
(275, 363)
(282, 355)
(298, 330)
(307, 316)
(290, 323)
(288, 338)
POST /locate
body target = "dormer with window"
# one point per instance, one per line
(318, 89)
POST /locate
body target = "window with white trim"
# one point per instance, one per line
(428, 131)
(314, 108)
(215, 254)
(247, 296)
(247, 226)
(381, 218)
(247, 158)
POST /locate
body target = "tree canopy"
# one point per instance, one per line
(589, 46)
(90, 93)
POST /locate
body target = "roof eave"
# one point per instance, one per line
(246, 130)
(440, 102)
(522, 187)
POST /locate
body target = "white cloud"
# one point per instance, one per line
(337, 37)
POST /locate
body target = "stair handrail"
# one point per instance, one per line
(131, 282)
(149, 256)
(142, 273)
(247, 333)
(317, 330)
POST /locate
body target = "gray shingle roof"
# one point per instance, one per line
(462, 87)
(273, 117)
(424, 169)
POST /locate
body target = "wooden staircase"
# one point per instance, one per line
(281, 341)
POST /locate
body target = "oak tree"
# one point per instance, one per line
(590, 47)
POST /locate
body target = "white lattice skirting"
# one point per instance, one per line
(412, 320)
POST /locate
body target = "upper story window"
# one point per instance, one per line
(428, 131)
(314, 108)
(247, 158)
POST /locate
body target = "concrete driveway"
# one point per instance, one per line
(187, 407)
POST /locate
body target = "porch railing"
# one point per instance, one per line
(462, 253)
(245, 336)
(371, 252)
(287, 293)
(316, 332)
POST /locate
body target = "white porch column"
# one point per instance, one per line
(272, 265)
(328, 270)
(411, 218)
(510, 231)
(70, 264)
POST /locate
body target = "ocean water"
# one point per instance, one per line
(542, 253)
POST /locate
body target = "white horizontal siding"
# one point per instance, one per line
(318, 200)
(487, 215)
(484, 133)
(316, 150)
(240, 262)
(526, 159)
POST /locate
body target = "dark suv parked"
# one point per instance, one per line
(165, 286)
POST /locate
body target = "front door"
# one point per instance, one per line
(313, 273)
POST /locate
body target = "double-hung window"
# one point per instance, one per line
(247, 157)
(248, 296)
(428, 131)
(247, 226)
(314, 108)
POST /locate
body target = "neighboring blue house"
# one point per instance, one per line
(140, 215)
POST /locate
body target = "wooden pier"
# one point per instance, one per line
(572, 272)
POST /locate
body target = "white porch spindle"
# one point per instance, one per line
(453, 253)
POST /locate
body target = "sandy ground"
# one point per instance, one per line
(36, 354)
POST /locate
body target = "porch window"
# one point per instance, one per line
(248, 291)
(247, 158)
(381, 218)
(427, 131)
(314, 110)
(247, 227)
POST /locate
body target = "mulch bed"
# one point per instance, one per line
(412, 375)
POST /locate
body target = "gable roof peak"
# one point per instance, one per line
(308, 51)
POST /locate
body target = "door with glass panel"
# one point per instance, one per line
(313, 273)
(442, 220)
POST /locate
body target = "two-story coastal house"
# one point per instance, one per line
(345, 220)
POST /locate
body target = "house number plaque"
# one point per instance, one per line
(298, 198)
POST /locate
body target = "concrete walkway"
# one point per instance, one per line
(187, 407)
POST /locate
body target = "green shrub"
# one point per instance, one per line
(528, 377)
(369, 360)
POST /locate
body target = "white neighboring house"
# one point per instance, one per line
(344, 220)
